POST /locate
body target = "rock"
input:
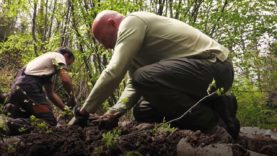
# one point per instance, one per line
(144, 126)
(13, 140)
(250, 131)
(258, 140)
(251, 153)
(185, 149)
(217, 149)
(258, 143)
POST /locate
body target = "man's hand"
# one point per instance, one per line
(109, 120)
(79, 119)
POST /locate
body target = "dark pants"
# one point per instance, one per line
(28, 98)
(20, 105)
(170, 87)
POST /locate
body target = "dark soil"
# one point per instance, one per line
(77, 141)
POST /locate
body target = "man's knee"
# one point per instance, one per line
(149, 118)
(142, 112)
(144, 78)
(140, 76)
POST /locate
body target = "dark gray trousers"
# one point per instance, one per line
(170, 87)
(27, 98)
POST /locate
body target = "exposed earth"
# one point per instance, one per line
(128, 139)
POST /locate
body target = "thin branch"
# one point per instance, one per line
(45, 21)
(189, 110)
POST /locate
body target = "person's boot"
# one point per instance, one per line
(12, 127)
(226, 108)
(18, 126)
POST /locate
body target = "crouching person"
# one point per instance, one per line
(33, 88)
(170, 66)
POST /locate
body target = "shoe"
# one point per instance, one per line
(19, 126)
(12, 127)
(226, 108)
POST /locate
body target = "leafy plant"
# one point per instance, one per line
(111, 138)
(132, 153)
(3, 125)
(98, 150)
(251, 104)
(39, 125)
(163, 128)
(67, 112)
(22, 129)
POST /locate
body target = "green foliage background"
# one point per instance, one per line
(248, 28)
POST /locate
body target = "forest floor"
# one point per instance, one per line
(128, 139)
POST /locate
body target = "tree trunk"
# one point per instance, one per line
(51, 20)
(34, 28)
(217, 20)
(64, 39)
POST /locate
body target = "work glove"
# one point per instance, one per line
(109, 120)
(79, 119)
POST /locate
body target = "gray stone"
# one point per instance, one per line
(185, 149)
(253, 131)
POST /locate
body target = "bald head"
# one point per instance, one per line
(105, 27)
(107, 14)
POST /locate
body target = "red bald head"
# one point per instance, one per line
(105, 27)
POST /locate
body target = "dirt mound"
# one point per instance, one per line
(61, 141)
(127, 139)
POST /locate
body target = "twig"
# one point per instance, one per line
(189, 110)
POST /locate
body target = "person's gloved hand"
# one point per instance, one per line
(79, 119)
(109, 120)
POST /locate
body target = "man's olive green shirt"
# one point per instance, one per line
(144, 38)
